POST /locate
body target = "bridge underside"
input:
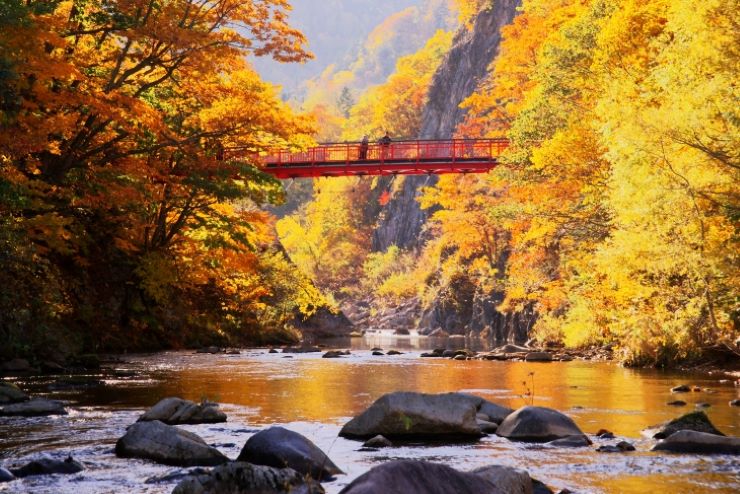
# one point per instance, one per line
(386, 167)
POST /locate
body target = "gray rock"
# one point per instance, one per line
(681, 388)
(36, 407)
(625, 446)
(333, 354)
(279, 447)
(703, 405)
(378, 442)
(540, 488)
(694, 421)
(677, 403)
(5, 475)
(608, 448)
(487, 410)
(168, 445)
(173, 411)
(301, 349)
(378, 353)
(394, 352)
(245, 478)
(417, 477)
(486, 426)
(735, 403)
(699, 442)
(538, 357)
(48, 466)
(507, 479)
(537, 424)
(571, 442)
(417, 415)
(272, 350)
(495, 413)
(605, 434)
(10, 393)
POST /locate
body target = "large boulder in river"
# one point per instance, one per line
(48, 466)
(699, 442)
(417, 415)
(246, 478)
(507, 479)
(167, 444)
(495, 413)
(694, 421)
(279, 447)
(36, 407)
(10, 393)
(175, 411)
(413, 476)
(537, 424)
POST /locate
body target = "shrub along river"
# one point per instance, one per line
(316, 396)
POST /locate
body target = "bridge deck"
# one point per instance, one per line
(397, 158)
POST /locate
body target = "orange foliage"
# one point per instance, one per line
(112, 146)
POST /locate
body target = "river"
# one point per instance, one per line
(315, 396)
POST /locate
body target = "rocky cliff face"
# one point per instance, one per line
(457, 77)
(457, 310)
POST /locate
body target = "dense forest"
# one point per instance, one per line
(615, 215)
(125, 224)
(121, 225)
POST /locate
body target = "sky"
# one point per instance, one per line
(335, 30)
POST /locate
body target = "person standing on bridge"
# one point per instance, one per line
(363, 147)
(385, 144)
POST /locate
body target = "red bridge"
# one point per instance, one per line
(397, 158)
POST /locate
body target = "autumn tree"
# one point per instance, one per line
(116, 154)
(621, 177)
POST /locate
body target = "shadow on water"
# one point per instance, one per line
(315, 396)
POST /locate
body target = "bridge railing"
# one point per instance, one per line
(452, 150)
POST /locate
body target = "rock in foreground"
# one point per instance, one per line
(37, 407)
(245, 478)
(168, 445)
(507, 479)
(279, 447)
(48, 466)
(537, 424)
(694, 421)
(419, 477)
(173, 411)
(699, 442)
(417, 415)
(10, 393)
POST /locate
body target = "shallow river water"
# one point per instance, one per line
(315, 396)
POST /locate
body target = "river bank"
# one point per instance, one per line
(316, 397)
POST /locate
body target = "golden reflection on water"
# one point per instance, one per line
(316, 396)
(306, 387)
